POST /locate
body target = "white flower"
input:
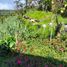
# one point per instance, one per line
(65, 5)
(62, 11)
(44, 25)
(52, 2)
(50, 24)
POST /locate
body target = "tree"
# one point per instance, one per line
(56, 5)
(45, 5)
(19, 6)
(31, 3)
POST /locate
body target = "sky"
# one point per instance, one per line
(7, 4)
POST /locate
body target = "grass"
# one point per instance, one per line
(45, 17)
(37, 48)
(45, 50)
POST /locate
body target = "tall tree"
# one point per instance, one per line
(26, 4)
(45, 4)
(19, 5)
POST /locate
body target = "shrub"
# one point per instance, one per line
(7, 45)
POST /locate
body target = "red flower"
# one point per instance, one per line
(60, 65)
(46, 66)
(19, 61)
(26, 58)
(62, 49)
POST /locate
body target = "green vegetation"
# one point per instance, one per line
(33, 35)
(35, 39)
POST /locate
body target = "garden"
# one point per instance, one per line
(34, 36)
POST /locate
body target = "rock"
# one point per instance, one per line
(26, 17)
(32, 20)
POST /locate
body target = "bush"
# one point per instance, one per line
(63, 36)
(6, 46)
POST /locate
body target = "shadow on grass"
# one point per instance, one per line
(17, 59)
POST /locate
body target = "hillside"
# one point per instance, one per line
(6, 12)
(45, 17)
(33, 43)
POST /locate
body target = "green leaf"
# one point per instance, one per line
(12, 44)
